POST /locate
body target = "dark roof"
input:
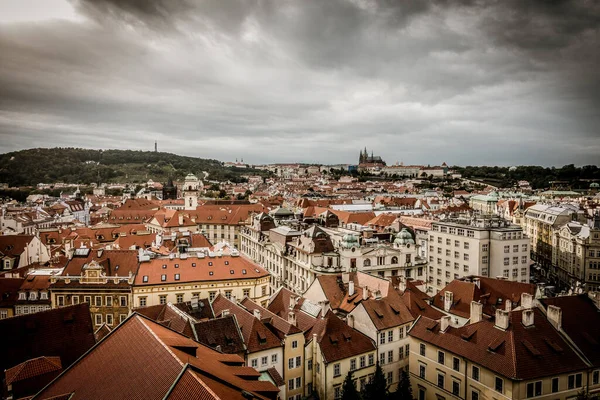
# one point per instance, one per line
(223, 332)
(256, 335)
(518, 353)
(141, 359)
(65, 332)
(14, 245)
(9, 291)
(581, 322)
(278, 325)
(338, 341)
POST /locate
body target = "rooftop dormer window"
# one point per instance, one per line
(32, 296)
(22, 296)
(44, 296)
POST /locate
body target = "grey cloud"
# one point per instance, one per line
(421, 82)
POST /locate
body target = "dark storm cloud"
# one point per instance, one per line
(466, 82)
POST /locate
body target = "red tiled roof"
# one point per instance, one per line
(193, 269)
(518, 353)
(256, 335)
(387, 312)
(9, 291)
(14, 245)
(31, 368)
(417, 302)
(141, 359)
(281, 325)
(223, 332)
(338, 341)
(581, 322)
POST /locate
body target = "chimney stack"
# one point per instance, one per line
(448, 301)
(324, 307)
(555, 316)
(292, 302)
(292, 318)
(477, 282)
(180, 219)
(508, 306)
(257, 314)
(526, 300)
(501, 319)
(444, 323)
(365, 293)
(476, 312)
(402, 285)
(225, 312)
(350, 288)
(351, 321)
(345, 277)
(527, 317)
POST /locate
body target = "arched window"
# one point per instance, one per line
(394, 260)
(367, 263)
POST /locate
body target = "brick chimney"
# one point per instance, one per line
(555, 316)
(501, 319)
(292, 318)
(365, 293)
(444, 323)
(448, 300)
(476, 312)
(527, 317)
(350, 288)
(257, 314)
(350, 321)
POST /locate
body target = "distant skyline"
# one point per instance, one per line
(466, 82)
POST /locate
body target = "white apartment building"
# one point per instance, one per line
(477, 246)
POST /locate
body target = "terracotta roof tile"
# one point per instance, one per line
(32, 368)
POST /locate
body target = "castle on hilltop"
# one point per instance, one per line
(365, 158)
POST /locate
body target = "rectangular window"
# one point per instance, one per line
(98, 318)
(401, 332)
(475, 373)
(554, 385)
(596, 377)
(163, 299)
(336, 369)
(298, 361)
(264, 360)
(337, 392)
(108, 301)
(466, 245)
(507, 249)
(75, 300)
(390, 378)
(390, 336)
(456, 364)
(422, 349)
(371, 359)
(246, 292)
(88, 299)
(390, 356)
(406, 350)
(353, 364)
(400, 353)
(382, 338)
(466, 257)
(363, 361)
(455, 388)
(441, 357)
(422, 371)
(499, 385)
(254, 362)
(440, 380)
(290, 363)
(298, 382)
(534, 389)
(109, 319)
(294, 344)
(291, 384)
(474, 395)
(309, 365)
(142, 301)
(98, 301)
(382, 358)
(179, 297)
(212, 295)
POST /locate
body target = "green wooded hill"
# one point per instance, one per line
(84, 166)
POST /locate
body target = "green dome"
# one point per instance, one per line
(349, 240)
(595, 185)
(404, 237)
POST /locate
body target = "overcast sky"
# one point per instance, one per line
(506, 82)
